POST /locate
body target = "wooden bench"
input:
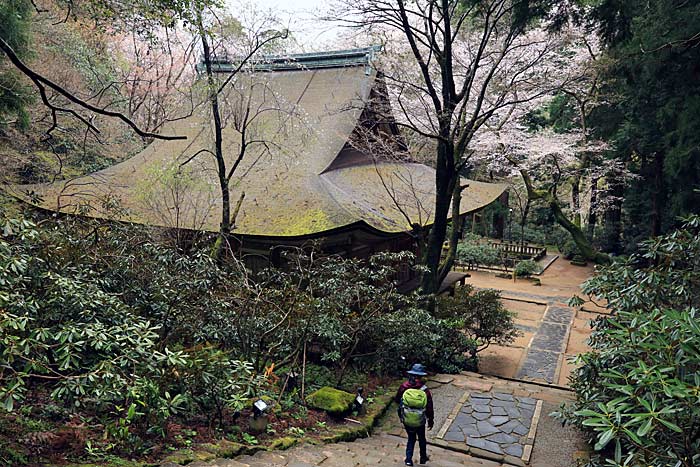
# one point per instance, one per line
(447, 286)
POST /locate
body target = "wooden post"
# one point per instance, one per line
(303, 373)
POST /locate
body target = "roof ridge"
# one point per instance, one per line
(302, 61)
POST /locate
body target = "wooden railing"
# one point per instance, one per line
(534, 252)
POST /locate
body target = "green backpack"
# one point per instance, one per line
(413, 404)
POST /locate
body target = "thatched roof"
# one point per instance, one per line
(291, 185)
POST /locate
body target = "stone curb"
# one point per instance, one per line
(524, 300)
(451, 417)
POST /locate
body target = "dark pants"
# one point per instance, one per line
(422, 445)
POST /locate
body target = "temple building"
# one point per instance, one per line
(300, 178)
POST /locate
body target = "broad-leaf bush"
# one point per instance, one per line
(59, 326)
(527, 268)
(351, 313)
(141, 337)
(638, 391)
(480, 316)
(474, 250)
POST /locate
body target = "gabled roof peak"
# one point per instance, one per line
(304, 61)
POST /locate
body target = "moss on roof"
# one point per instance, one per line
(287, 192)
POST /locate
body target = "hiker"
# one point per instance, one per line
(415, 409)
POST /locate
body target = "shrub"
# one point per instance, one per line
(318, 376)
(475, 252)
(637, 391)
(527, 268)
(480, 315)
(60, 327)
(417, 335)
(568, 248)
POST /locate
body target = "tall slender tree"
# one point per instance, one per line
(652, 113)
(468, 61)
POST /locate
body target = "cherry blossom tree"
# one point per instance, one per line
(146, 21)
(155, 77)
(450, 66)
(554, 162)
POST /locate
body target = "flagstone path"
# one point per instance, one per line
(496, 422)
(551, 331)
(457, 397)
(544, 356)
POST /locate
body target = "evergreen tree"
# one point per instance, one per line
(15, 16)
(653, 114)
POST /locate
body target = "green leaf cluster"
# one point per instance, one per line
(476, 251)
(62, 326)
(638, 391)
(480, 315)
(526, 268)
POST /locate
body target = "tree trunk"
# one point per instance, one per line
(577, 235)
(658, 197)
(584, 245)
(444, 185)
(225, 226)
(592, 217)
(523, 220)
(449, 260)
(576, 199)
(613, 220)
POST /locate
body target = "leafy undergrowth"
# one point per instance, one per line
(44, 433)
(116, 346)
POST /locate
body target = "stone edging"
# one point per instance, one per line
(451, 417)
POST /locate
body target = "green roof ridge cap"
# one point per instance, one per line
(302, 61)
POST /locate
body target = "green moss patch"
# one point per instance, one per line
(334, 401)
(375, 411)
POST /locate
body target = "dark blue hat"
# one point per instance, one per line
(417, 369)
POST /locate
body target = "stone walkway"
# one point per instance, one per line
(544, 356)
(551, 331)
(499, 420)
(499, 423)
(559, 447)
(379, 450)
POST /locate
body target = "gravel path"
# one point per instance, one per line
(556, 446)
(445, 397)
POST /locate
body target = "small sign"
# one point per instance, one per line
(359, 399)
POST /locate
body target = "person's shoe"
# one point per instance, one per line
(409, 462)
(423, 460)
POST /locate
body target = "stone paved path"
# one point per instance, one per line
(496, 422)
(551, 331)
(545, 355)
(526, 406)
(559, 447)
(379, 450)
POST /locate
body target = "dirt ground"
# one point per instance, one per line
(531, 304)
(560, 279)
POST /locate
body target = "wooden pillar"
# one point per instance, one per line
(499, 220)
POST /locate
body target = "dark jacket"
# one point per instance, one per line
(417, 384)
